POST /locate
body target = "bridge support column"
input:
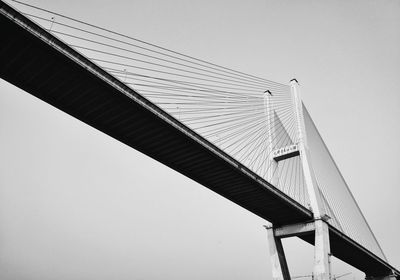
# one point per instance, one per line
(280, 270)
(322, 253)
(320, 229)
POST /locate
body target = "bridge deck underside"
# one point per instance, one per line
(41, 70)
(344, 249)
(33, 65)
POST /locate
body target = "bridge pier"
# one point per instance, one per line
(322, 253)
(322, 262)
(280, 270)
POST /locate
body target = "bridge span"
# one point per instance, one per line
(39, 63)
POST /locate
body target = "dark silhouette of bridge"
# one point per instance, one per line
(36, 61)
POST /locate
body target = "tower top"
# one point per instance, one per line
(268, 92)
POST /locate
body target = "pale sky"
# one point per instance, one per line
(77, 204)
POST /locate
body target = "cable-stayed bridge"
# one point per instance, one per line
(249, 139)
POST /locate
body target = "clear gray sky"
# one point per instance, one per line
(76, 204)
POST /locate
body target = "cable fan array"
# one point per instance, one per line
(338, 201)
(226, 107)
(245, 116)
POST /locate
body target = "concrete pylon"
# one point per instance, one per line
(309, 176)
(320, 227)
(322, 267)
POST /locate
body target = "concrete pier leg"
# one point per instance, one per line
(322, 265)
(280, 270)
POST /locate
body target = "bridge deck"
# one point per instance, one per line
(35, 61)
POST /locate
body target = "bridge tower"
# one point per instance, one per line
(322, 267)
